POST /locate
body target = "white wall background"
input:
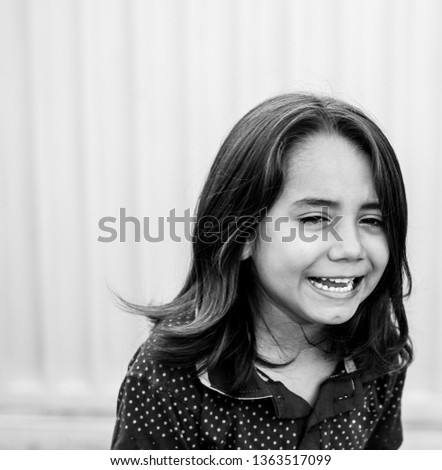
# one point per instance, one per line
(108, 104)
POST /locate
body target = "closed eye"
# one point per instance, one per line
(313, 219)
(373, 222)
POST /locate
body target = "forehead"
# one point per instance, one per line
(330, 166)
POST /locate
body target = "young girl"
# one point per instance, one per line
(290, 331)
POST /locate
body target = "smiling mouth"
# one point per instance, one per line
(335, 284)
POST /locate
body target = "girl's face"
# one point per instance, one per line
(321, 249)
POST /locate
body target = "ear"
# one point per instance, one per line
(247, 250)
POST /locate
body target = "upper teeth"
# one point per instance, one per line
(338, 279)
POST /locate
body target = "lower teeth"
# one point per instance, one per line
(347, 288)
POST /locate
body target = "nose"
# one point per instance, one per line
(349, 245)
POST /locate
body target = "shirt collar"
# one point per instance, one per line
(218, 380)
(341, 392)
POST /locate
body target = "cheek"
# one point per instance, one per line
(380, 255)
(282, 261)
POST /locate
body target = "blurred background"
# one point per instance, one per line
(109, 104)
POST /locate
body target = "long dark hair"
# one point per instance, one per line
(211, 322)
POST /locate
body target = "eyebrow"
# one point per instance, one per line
(309, 201)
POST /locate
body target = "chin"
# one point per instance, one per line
(338, 319)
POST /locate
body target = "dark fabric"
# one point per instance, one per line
(167, 408)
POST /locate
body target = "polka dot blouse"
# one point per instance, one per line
(162, 407)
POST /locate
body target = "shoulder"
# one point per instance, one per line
(385, 389)
(154, 378)
(158, 407)
(387, 380)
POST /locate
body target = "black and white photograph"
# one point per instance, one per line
(221, 227)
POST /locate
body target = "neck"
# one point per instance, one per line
(280, 339)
